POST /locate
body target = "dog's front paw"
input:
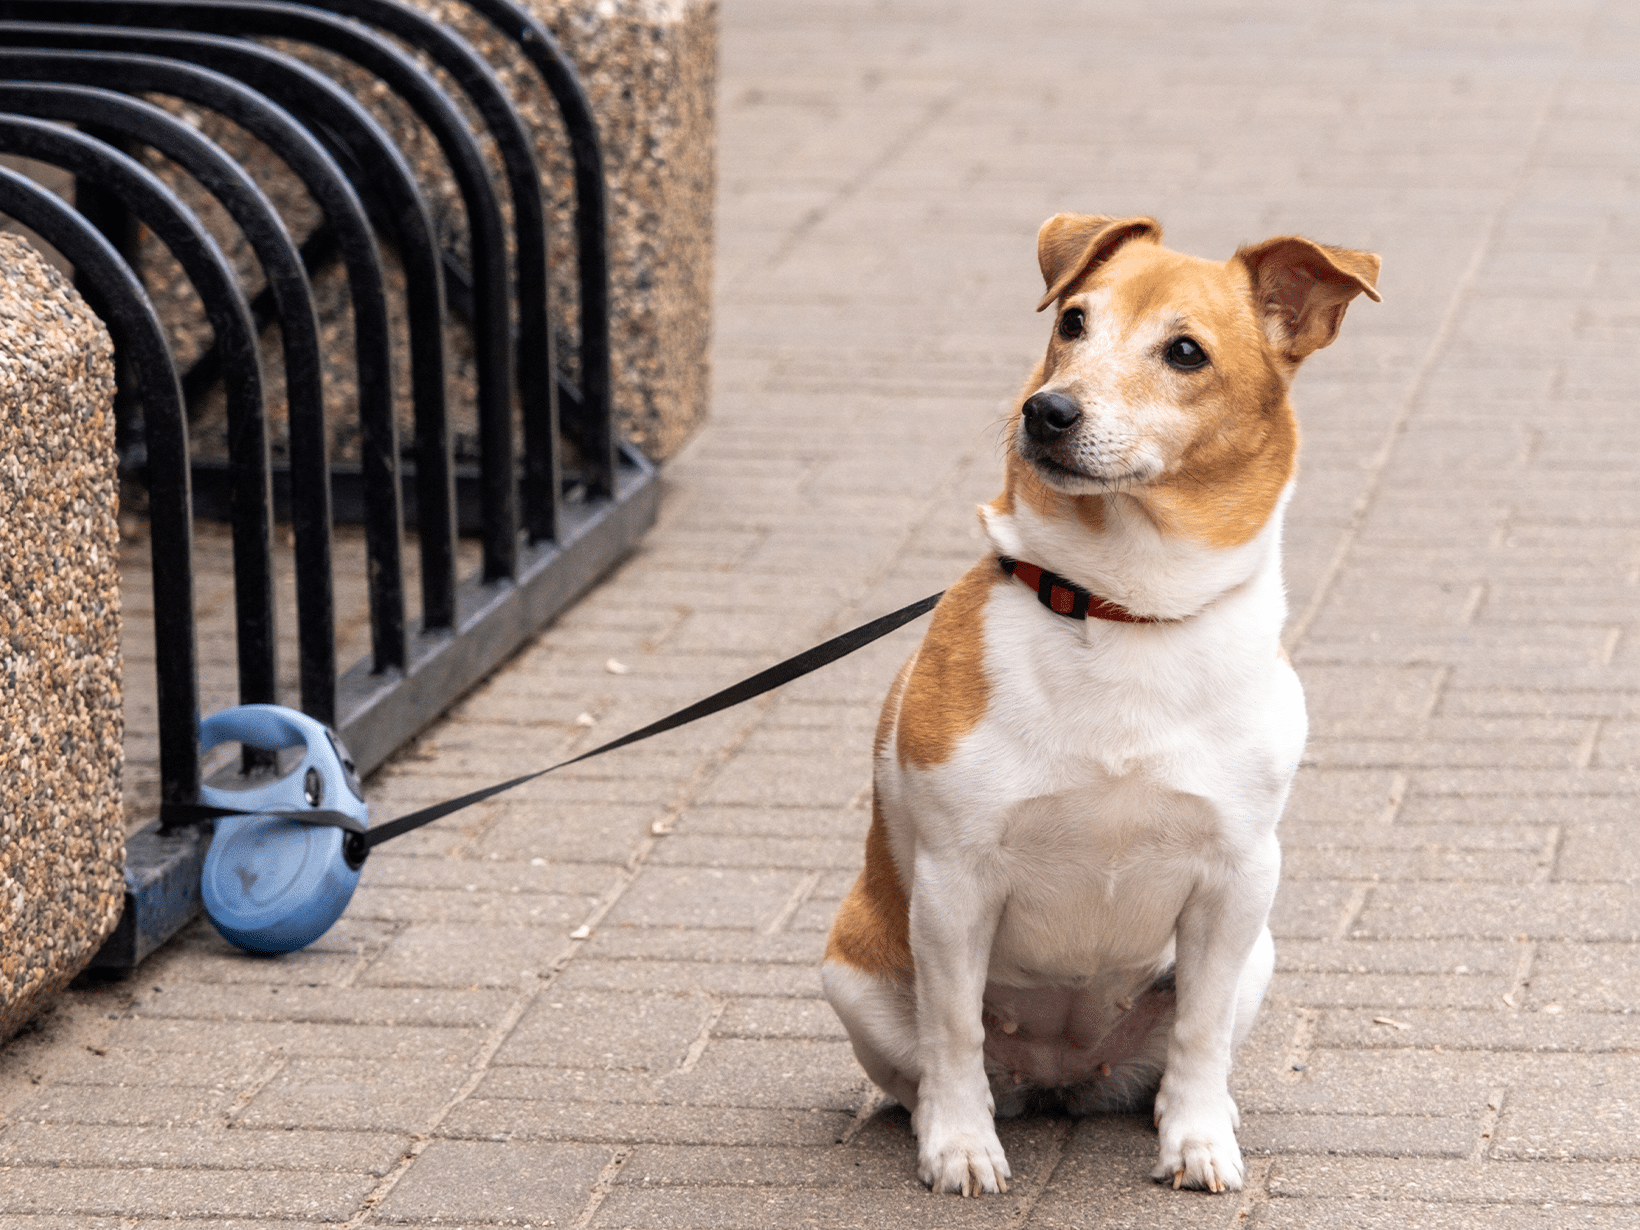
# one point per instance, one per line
(1198, 1139)
(960, 1159)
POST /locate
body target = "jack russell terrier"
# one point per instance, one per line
(1078, 774)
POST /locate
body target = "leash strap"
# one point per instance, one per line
(808, 661)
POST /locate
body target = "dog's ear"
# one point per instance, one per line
(1301, 290)
(1069, 245)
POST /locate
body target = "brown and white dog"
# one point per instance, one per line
(1079, 773)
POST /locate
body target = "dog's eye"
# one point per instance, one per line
(1071, 323)
(1186, 355)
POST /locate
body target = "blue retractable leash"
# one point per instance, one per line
(286, 855)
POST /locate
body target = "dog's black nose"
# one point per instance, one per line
(1049, 416)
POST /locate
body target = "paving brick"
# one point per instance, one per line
(326, 1005)
(1572, 1184)
(204, 1148)
(458, 955)
(688, 850)
(765, 1017)
(1271, 1135)
(704, 897)
(737, 1207)
(354, 1095)
(669, 944)
(1589, 912)
(193, 1037)
(799, 1072)
(139, 1106)
(1432, 862)
(1493, 1026)
(1425, 956)
(1357, 1213)
(1387, 991)
(1572, 1106)
(638, 1122)
(704, 977)
(648, 1032)
(1587, 977)
(1380, 1082)
(512, 1182)
(167, 1194)
(1338, 796)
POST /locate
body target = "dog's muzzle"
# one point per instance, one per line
(1049, 416)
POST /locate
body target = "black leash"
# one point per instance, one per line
(810, 660)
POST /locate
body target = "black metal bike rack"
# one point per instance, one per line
(547, 534)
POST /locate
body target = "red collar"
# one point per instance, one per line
(1067, 598)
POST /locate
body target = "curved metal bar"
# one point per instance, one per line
(225, 306)
(379, 171)
(597, 410)
(140, 338)
(536, 361)
(255, 215)
(492, 328)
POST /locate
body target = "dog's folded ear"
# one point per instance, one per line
(1070, 245)
(1301, 289)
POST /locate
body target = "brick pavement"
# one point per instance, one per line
(1449, 1038)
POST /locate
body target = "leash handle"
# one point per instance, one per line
(805, 663)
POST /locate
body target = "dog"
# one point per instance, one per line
(1078, 775)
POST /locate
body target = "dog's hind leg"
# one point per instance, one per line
(879, 1014)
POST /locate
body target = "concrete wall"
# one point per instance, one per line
(62, 836)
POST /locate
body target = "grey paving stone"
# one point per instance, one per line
(223, 1067)
(193, 1037)
(206, 1148)
(765, 1017)
(792, 781)
(458, 954)
(169, 1194)
(1491, 1027)
(1356, 1213)
(625, 1123)
(1311, 909)
(1570, 1184)
(1338, 796)
(512, 1182)
(636, 1031)
(1589, 912)
(1388, 991)
(1398, 956)
(797, 1072)
(684, 849)
(130, 1106)
(1572, 1106)
(704, 897)
(1285, 1136)
(1430, 862)
(1587, 977)
(199, 954)
(492, 875)
(326, 1005)
(458, 907)
(1388, 1082)
(354, 1095)
(792, 823)
(667, 944)
(700, 977)
(749, 1207)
